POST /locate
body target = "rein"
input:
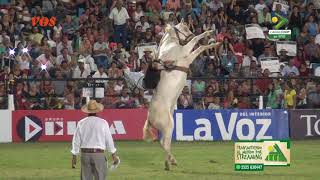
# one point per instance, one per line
(169, 66)
(187, 38)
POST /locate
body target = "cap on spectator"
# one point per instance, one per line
(81, 59)
(112, 45)
(188, 3)
(147, 50)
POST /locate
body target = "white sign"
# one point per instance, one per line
(140, 49)
(254, 31)
(286, 32)
(271, 63)
(6, 126)
(88, 92)
(290, 46)
(284, 5)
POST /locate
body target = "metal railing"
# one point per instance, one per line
(251, 94)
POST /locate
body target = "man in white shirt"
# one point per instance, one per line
(145, 25)
(119, 15)
(100, 49)
(45, 61)
(81, 71)
(215, 4)
(289, 69)
(100, 74)
(65, 43)
(92, 137)
(260, 6)
(63, 57)
(248, 58)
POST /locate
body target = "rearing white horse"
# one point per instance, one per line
(176, 46)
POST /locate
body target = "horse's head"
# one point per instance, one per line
(180, 31)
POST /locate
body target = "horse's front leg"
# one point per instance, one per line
(194, 54)
(190, 45)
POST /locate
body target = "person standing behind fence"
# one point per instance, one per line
(289, 96)
(92, 137)
(120, 17)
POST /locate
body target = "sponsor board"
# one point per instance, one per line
(304, 124)
(210, 125)
(254, 156)
(59, 125)
(5, 126)
(279, 34)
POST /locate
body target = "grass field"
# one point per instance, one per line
(144, 161)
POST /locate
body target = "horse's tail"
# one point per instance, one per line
(147, 132)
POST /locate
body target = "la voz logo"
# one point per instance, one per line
(43, 21)
(227, 125)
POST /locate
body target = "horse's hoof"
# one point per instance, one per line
(167, 166)
(174, 163)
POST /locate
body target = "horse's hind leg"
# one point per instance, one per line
(166, 143)
(173, 161)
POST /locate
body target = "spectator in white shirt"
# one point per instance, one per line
(90, 62)
(145, 25)
(81, 71)
(138, 13)
(260, 6)
(248, 58)
(100, 50)
(65, 43)
(119, 15)
(64, 56)
(45, 61)
(24, 61)
(92, 137)
(289, 69)
(214, 5)
(100, 74)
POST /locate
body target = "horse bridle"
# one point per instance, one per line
(187, 38)
(182, 43)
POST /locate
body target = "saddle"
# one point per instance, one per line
(152, 76)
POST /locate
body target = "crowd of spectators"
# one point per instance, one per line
(98, 38)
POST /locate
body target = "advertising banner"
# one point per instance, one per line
(254, 155)
(210, 125)
(5, 127)
(59, 125)
(304, 124)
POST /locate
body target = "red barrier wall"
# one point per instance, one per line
(59, 125)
